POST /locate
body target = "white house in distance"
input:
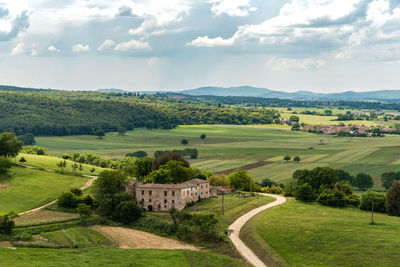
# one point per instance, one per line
(163, 197)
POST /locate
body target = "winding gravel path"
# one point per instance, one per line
(238, 224)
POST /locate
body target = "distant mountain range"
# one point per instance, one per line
(380, 95)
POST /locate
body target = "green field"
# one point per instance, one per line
(315, 235)
(112, 257)
(49, 162)
(80, 237)
(232, 146)
(29, 188)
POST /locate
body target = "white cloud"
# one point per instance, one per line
(12, 23)
(52, 48)
(18, 49)
(107, 44)
(34, 53)
(285, 64)
(80, 48)
(132, 45)
(205, 41)
(233, 8)
(313, 26)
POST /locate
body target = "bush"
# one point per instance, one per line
(66, 156)
(22, 159)
(76, 191)
(272, 190)
(340, 196)
(87, 199)
(304, 192)
(184, 142)
(267, 182)
(67, 199)
(392, 203)
(218, 180)
(127, 212)
(371, 196)
(7, 223)
(290, 189)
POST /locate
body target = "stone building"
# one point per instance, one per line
(163, 197)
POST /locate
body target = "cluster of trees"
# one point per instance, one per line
(73, 197)
(34, 150)
(191, 152)
(295, 158)
(169, 168)
(322, 184)
(238, 180)
(137, 154)
(388, 178)
(111, 200)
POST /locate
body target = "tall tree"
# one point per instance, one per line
(393, 199)
(9, 145)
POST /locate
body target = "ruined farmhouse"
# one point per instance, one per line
(163, 197)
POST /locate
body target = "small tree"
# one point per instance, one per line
(22, 159)
(297, 159)
(80, 167)
(62, 164)
(100, 134)
(7, 223)
(67, 199)
(392, 203)
(85, 211)
(296, 127)
(287, 158)
(203, 136)
(92, 170)
(74, 167)
(121, 131)
(184, 142)
(374, 202)
(363, 181)
(304, 192)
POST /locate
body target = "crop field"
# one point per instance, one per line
(25, 188)
(112, 257)
(44, 217)
(301, 234)
(80, 237)
(232, 146)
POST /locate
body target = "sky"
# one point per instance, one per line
(286, 45)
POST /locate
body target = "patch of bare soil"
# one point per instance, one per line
(3, 186)
(246, 167)
(134, 239)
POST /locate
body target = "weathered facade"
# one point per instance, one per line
(163, 197)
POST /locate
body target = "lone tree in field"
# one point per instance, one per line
(92, 170)
(184, 142)
(121, 131)
(393, 199)
(297, 159)
(363, 181)
(203, 136)
(287, 158)
(9, 145)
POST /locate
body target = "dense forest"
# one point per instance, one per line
(64, 113)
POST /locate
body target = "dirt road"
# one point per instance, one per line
(238, 224)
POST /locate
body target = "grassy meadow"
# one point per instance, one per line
(299, 234)
(35, 257)
(29, 188)
(232, 146)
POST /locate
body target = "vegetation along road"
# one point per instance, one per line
(238, 224)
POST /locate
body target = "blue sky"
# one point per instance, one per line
(289, 45)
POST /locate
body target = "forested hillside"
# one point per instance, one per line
(71, 113)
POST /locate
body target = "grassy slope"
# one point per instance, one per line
(314, 235)
(29, 188)
(49, 162)
(231, 146)
(112, 257)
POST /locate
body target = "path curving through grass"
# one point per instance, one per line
(236, 226)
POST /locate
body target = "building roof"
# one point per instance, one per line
(197, 181)
(187, 184)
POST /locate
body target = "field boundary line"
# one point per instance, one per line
(237, 225)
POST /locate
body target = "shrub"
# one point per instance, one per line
(76, 191)
(290, 189)
(340, 196)
(203, 136)
(267, 182)
(87, 199)
(304, 192)
(218, 180)
(67, 199)
(184, 142)
(22, 159)
(272, 190)
(34, 150)
(392, 203)
(66, 156)
(127, 212)
(371, 196)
